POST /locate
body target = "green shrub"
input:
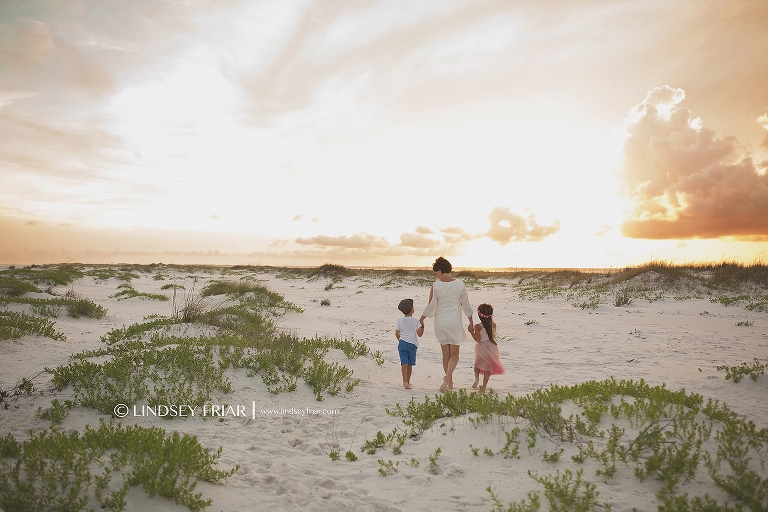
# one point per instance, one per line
(15, 325)
(754, 370)
(671, 439)
(56, 471)
(83, 307)
(47, 274)
(15, 287)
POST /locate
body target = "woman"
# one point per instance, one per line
(447, 299)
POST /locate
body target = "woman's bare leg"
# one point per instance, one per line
(446, 356)
(446, 349)
(453, 361)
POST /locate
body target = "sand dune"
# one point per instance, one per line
(282, 442)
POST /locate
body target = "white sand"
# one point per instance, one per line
(283, 458)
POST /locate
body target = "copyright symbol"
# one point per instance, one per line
(121, 410)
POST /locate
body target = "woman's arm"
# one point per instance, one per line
(465, 305)
(431, 308)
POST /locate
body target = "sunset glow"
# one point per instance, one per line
(532, 134)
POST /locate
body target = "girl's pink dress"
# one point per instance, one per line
(487, 357)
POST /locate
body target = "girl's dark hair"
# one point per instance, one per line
(484, 312)
(442, 265)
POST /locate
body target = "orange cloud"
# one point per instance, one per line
(685, 181)
(763, 120)
(510, 227)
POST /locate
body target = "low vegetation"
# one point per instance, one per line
(15, 287)
(51, 275)
(145, 363)
(627, 428)
(126, 291)
(75, 306)
(753, 370)
(14, 325)
(53, 470)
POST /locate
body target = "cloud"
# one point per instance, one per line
(418, 240)
(357, 241)
(603, 230)
(684, 180)
(454, 235)
(335, 43)
(33, 54)
(29, 146)
(451, 240)
(510, 227)
(505, 227)
(763, 120)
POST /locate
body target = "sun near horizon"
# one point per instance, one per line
(384, 134)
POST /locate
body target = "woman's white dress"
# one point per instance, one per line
(449, 300)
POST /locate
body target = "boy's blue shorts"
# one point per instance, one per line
(407, 352)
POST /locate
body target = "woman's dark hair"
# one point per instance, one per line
(442, 265)
(485, 312)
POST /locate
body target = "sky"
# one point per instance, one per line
(547, 133)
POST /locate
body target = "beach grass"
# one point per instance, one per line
(126, 291)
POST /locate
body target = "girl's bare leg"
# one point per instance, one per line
(477, 378)
(486, 378)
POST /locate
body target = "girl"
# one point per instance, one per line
(487, 359)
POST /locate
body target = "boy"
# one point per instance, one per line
(408, 332)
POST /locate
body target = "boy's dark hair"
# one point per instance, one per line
(443, 265)
(405, 306)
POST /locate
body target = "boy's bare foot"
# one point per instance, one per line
(474, 384)
(407, 385)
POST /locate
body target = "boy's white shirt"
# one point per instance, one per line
(408, 325)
